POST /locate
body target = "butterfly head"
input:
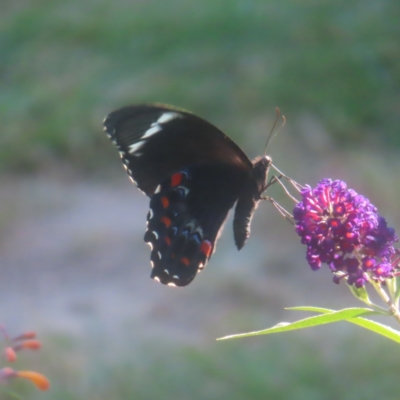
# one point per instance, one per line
(260, 170)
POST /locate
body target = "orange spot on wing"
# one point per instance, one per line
(167, 240)
(165, 202)
(206, 248)
(185, 261)
(166, 221)
(176, 179)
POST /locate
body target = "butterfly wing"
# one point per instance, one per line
(193, 174)
(186, 213)
(156, 141)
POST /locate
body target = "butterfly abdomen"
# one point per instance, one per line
(244, 211)
(249, 199)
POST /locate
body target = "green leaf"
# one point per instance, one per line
(322, 310)
(326, 318)
(376, 327)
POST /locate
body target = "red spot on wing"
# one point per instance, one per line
(167, 240)
(165, 202)
(185, 261)
(206, 248)
(166, 221)
(176, 179)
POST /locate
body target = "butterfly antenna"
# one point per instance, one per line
(272, 134)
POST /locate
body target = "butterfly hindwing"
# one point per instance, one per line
(182, 226)
(155, 141)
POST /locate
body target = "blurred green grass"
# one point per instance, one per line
(64, 65)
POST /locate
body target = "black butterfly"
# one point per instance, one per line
(193, 174)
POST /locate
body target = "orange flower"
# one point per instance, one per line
(9, 354)
(25, 336)
(39, 380)
(28, 344)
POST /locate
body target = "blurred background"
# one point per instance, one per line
(73, 264)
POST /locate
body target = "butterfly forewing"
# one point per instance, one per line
(156, 141)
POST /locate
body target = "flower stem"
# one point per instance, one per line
(392, 288)
(392, 307)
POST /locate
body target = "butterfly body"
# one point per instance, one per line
(194, 174)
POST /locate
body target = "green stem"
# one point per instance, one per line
(379, 309)
(392, 287)
(392, 307)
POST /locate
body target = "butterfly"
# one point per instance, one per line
(194, 174)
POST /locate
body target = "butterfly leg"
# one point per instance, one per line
(285, 214)
(273, 180)
(295, 184)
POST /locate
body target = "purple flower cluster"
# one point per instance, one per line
(344, 230)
